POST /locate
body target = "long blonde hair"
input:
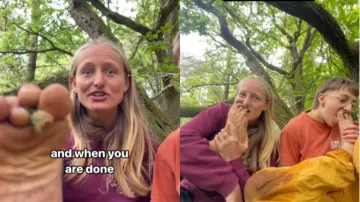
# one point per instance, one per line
(262, 139)
(130, 133)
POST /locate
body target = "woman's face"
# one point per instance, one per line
(332, 102)
(252, 96)
(100, 80)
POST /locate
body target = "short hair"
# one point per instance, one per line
(335, 84)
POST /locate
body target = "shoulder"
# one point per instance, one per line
(220, 109)
(296, 122)
(171, 142)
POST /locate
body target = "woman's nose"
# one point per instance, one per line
(246, 101)
(99, 80)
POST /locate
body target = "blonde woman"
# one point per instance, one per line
(107, 116)
(214, 170)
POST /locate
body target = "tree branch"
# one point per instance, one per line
(21, 52)
(165, 12)
(307, 42)
(46, 39)
(281, 29)
(136, 48)
(317, 16)
(89, 21)
(120, 19)
(207, 84)
(298, 33)
(161, 91)
(262, 60)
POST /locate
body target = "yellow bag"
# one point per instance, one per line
(327, 178)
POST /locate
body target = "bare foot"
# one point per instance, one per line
(27, 173)
(345, 121)
(237, 116)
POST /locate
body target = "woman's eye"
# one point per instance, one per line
(87, 72)
(256, 98)
(242, 94)
(343, 99)
(110, 72)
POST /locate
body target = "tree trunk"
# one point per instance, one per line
(314, 14)
(229, 58)
(31, 66)
(170, 99)
(94, 26)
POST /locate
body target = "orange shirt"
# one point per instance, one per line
(166, 180)
(304, 138)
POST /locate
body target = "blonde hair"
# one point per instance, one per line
(130, 133)
(262, 139)
(335, 84)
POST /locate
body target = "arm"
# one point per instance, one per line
(164, 186)
(199, 164)
(241, 172)
(289, 148)
(166, 178)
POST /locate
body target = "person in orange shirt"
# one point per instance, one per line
(166, 179)
(315, 132)
(315, 179)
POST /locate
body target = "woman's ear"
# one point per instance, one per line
(321, 99)
(268, 105)
(73, 84)
(127, 83)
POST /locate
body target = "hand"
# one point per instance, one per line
(350, 134)
(237, 116)
(229, 147)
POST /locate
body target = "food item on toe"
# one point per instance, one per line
(39, 118)
(29, 95)
(55, 99)
(19, 116)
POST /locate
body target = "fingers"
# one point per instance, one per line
(350, 140)
(350, 132)
(353, 127)
(347, 116)
(350, 137)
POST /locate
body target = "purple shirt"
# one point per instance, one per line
(206, 175)
(90, 190)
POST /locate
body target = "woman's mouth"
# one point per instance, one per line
(98, 96)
